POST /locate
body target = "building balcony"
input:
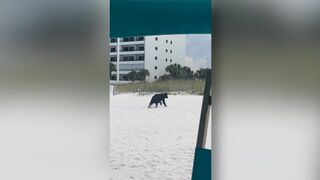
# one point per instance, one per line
(126, 71)
(113, 53)
(131, 52)
(132, 43)
(128, 40)
(132, 62)
(127, 53)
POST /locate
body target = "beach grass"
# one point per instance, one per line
(172, 87)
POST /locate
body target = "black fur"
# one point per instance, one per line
(158, 99)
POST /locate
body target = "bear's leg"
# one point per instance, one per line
(164, 103)
(156, 104)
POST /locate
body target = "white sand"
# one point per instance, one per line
(156, 143)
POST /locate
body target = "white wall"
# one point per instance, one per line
(178, 53)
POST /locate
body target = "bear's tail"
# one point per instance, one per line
(149, 104)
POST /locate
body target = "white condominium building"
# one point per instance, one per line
(153, 53)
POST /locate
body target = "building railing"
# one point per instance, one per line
(131, 69)
(128, 39)
(114, 59)
(128, 60)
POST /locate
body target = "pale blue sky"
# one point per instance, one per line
(198, 51)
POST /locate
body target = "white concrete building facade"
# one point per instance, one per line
(153, 53)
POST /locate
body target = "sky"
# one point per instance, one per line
(198, 51)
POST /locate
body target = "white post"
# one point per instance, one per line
(118, 59)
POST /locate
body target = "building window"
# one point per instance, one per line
(156, 48)
(113, 49)
(171, 51)
(155, 58)
(128, 39)
(140, 38)
(129, 58)
(141, 48)
(113, 40)
(113, 77)
(128, 49)
(155, 77)
(124, 78)
(155, 67)
(112, 59)
(140, 58)
(170, 60)
(170, 42)
(166, 59)
(156, 38)
(166, 41)
(166, 50)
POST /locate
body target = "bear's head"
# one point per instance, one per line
(165, 95)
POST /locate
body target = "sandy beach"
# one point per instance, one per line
(156, 143)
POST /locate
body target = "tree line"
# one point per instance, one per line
(174, 72)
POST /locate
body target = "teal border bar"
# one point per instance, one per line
(158, 17)
(202, 164)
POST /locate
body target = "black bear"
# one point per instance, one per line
(158, 98)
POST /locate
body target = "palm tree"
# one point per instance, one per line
(142, 74)
(132, 75)
(202, 73)
(173, 69)
(176, 71)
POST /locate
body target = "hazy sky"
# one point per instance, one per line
(198, 51)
